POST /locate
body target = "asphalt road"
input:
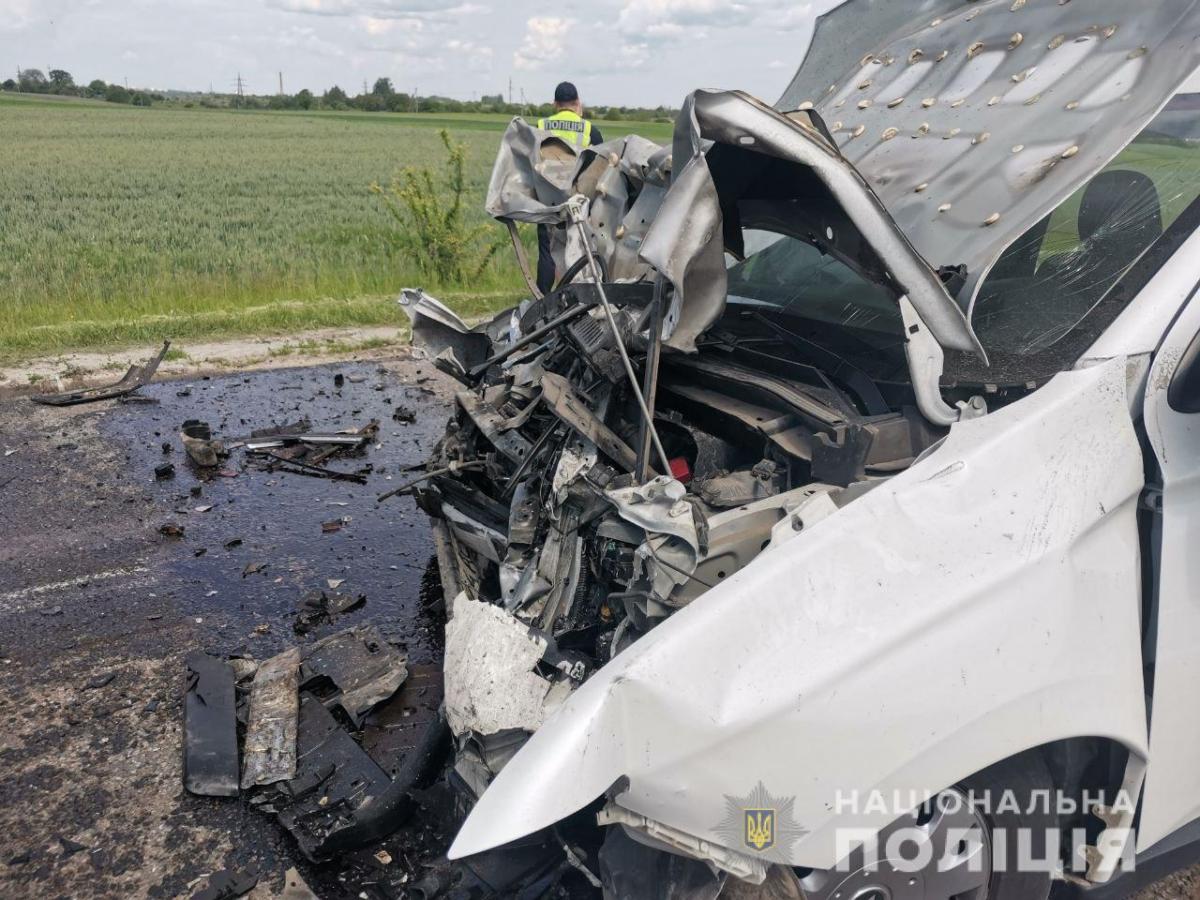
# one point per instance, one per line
(98, 607)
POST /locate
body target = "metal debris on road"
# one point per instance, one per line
(136, 377)
(270, 747)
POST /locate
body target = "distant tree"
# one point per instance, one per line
(115, 93)
(335, 98)
(97, 88)
(371, 102)
(33, 81)
(61, 82)
(304, 99)
(492, 99)
(399, 103)
(9, 85)
(383, 87)
(140, 99)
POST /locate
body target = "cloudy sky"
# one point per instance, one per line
(642, 52)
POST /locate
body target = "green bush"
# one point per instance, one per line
(433, 229)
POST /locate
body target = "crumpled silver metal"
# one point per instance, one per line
(686, 241)
(624, 181)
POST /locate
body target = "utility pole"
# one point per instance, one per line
(18, 78)
(241, 88)
(510, 90)
(416, 102)
(280, 84)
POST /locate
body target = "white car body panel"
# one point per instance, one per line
(1172, 795)
(982, 602)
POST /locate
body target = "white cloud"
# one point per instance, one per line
(15, 14)
(545, 42)
(382, 9)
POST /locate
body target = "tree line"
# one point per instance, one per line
(61, 82)
(382, 97)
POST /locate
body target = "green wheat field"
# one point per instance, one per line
(122, 225)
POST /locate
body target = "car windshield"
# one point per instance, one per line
(1051, 293)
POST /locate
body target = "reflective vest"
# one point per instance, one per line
(569, 127)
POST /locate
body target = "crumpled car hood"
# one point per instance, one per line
(973, 120)
(785, 167)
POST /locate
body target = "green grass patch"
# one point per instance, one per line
(125, 225)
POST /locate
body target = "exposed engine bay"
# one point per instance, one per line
(639, 434)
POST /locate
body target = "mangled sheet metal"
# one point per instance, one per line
(741, 164)
(536, 173)
(134, 378)
(437, 330)
(973, 120)
(269, 753)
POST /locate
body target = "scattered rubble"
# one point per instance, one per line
(324, 607)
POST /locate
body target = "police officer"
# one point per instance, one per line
(569, 125)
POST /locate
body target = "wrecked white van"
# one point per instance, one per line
(847, 476)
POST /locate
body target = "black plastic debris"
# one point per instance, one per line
(334, 777)
(631, 870)
(210, 750)
(227, 884)
(321, 607)
(354, 669)
(165, 471)
(136, 377)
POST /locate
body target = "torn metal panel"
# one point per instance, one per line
(491, 685)
(972, 121)
(624, 180)
(493, 425)
(269, 750)
(136, 377)
(210, 750)
(438, 332)
(362, 666)
(672, 547)
(738, 149)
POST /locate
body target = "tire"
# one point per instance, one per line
(1021, 776)
(959, 869)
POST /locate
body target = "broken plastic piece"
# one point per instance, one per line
(210, 752)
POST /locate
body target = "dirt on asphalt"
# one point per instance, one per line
(98, 608)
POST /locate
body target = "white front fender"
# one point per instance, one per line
(984, 602)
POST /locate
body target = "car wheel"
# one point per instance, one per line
(950, 850)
